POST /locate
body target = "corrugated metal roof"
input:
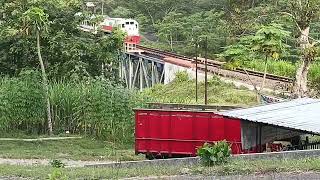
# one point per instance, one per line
(300, 114)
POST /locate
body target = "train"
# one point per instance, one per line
(108, 24)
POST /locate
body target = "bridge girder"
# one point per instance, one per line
(140, 71)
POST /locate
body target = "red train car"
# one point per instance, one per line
(161, 132)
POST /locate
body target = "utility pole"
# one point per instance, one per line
(196, 51)
(206, 71)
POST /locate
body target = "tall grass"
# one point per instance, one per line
(22, 104)
(183, 90)
(93, 107)
(283, 68)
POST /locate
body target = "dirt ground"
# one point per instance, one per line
(45, 162)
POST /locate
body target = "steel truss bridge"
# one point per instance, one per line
(141, 71)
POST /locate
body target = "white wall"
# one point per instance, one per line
(172, 69)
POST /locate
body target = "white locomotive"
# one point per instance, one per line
(107, 25)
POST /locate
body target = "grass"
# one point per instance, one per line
(38, 172)
(74, 149)
(182, 90)
(24, 135)
(237, 167)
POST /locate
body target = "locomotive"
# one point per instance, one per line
(107, 25)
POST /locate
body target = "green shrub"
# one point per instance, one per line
(57, 163)
(214, 154)
(57, 175)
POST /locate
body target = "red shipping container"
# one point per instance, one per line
(181, 132)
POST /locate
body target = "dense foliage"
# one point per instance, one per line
(179, 25)
(66, 50)
(45, 34)
(92, 107)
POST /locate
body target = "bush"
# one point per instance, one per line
(214, 154)
(57, 163)
(57, 175)
(93, 107)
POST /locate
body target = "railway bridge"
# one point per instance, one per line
(142, 67)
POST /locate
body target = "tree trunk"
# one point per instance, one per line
(102, 69)
(171, 42)
(45, 84)
(265, 74)
(301, 82)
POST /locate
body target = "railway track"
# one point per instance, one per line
(212, 63)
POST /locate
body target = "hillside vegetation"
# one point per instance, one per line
(183, 90)
(283, 32)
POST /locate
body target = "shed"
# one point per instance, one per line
(263, 124)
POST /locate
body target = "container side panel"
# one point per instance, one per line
(181, 127)
(154, 119)
(141, 118)
(141, 130)
(233, 130)
(164, 126)
(182, 147)
(233, 134)
(181, 133)
(136, 129)
(217, 129)
(201, 128)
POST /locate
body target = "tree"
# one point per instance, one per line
(67, 52)
(303, 13)
(121, 12)
(36, 20)
(170, 28)
(269, 41)
(206, 24)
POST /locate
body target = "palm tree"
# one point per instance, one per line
(36, 20)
